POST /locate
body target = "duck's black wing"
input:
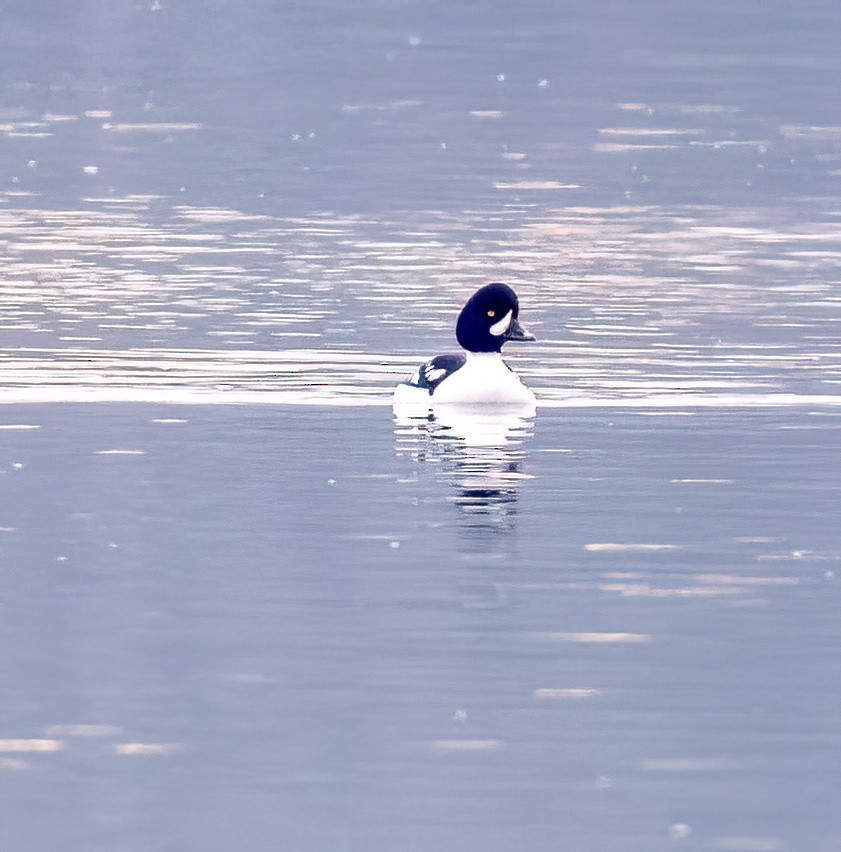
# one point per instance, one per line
(429, 375)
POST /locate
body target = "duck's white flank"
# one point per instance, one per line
(483, 380)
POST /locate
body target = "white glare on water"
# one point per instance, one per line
(125, 301)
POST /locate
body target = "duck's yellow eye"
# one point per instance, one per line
(491, 313)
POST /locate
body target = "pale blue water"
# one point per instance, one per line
(240, 605)
(621, 625)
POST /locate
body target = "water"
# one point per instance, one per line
(240, 605)
(615, 625)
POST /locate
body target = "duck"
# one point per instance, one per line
(477, 375)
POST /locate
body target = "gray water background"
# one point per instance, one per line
(241, 607)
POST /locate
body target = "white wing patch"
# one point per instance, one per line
(435, 375)
(429, 375)
(502, 326)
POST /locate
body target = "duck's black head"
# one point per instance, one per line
(489, 319)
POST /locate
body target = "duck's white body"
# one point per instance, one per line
(485, 379)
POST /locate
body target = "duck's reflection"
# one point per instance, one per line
(480, 451)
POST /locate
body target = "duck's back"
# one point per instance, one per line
(429, 375)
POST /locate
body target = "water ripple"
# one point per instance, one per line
(138, 298)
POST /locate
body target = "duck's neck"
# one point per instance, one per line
(483, 356)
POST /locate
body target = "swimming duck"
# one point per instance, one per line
(478, 375)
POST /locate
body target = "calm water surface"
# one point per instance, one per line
(243, 607)
(228, 625)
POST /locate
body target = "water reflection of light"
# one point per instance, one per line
(479, 452)
(636, 305)
(30, 745)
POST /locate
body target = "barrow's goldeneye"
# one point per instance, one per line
(477, 376)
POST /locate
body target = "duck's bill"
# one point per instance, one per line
(517, 332)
